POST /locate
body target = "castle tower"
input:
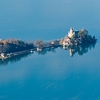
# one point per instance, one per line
(71, 33)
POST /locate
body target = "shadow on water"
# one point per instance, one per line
(72, 51)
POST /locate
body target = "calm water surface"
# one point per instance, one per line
(53, 75)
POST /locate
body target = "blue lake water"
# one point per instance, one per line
(53, 75)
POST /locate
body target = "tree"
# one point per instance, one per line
(82, 33)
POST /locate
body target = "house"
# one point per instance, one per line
(3, 55)
(66, 41)
(72, 33)
(54, 43)
(39, 49)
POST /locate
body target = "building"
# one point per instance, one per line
(39, 49)
(66, 41)
(72, 33)
(3, 55)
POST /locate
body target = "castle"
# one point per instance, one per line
(72, 33)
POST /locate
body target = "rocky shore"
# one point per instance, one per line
(74, 39)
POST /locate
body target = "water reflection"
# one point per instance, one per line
(14, 58)
(46, 50)
(72, 50)
(80, 49)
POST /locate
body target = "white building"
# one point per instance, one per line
(66, 41)
(72, 33)
(3, 55)
(39, 49)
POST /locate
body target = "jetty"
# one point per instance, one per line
(74, 39)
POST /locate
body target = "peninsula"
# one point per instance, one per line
(74, 39)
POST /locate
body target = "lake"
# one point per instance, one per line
(52, 74)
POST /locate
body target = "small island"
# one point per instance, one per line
(71, 42)
(76, 38)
